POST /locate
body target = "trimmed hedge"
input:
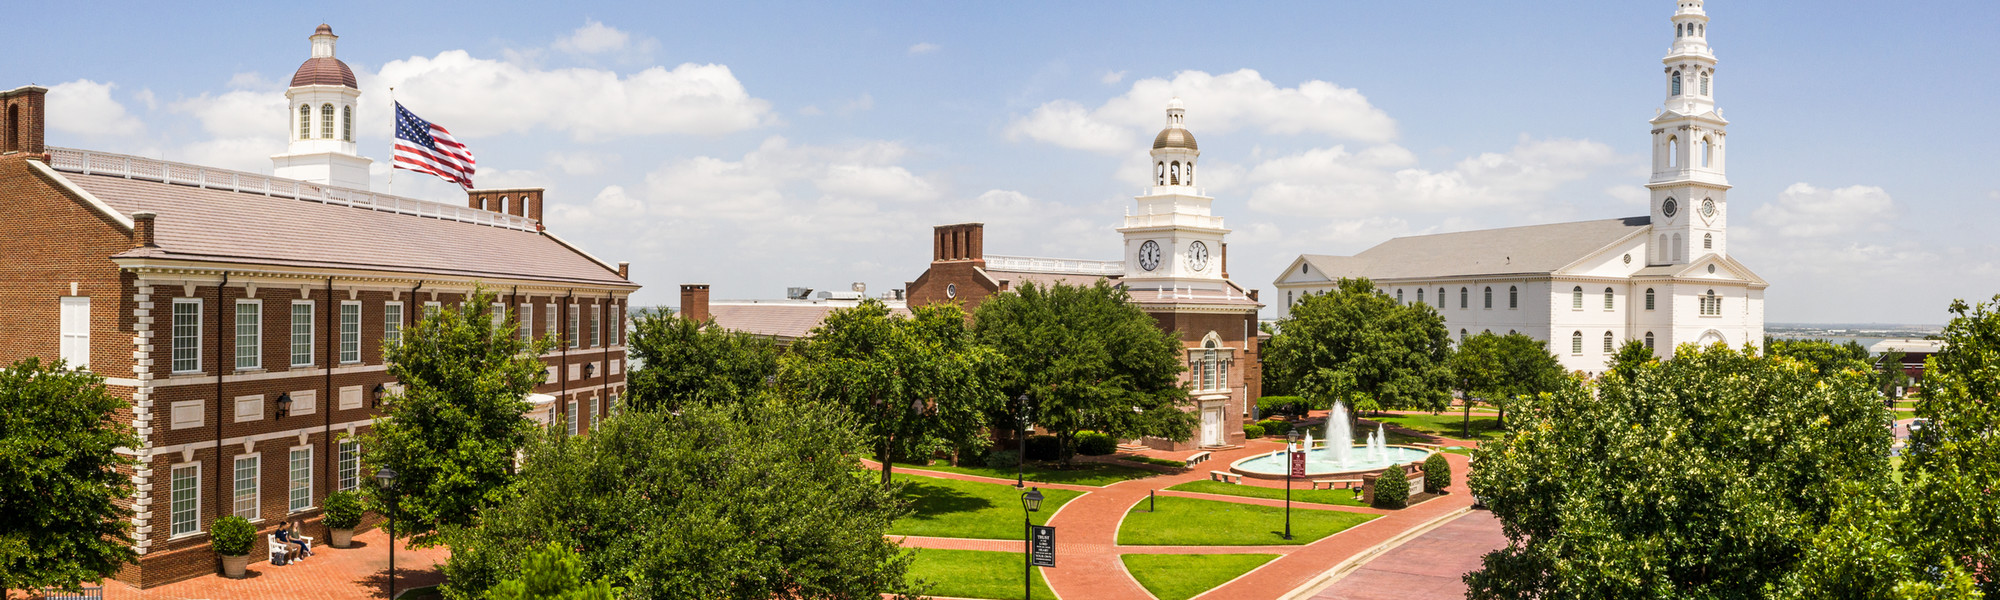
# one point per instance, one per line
(1275, 428)
(1003, 459)
(1253, 431)
(1392, 489)
(1283, 405)
(232, 535)
(1091, 443)
(1437, 473)
(343, 510)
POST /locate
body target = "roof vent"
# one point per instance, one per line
(798, 293)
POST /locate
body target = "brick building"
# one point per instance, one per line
(1168, 271)
(244, 316)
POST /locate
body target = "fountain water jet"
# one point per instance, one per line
(1340, 439)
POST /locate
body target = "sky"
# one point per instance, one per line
(756, 147)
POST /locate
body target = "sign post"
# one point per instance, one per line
(1298, 469)
(1042, 551)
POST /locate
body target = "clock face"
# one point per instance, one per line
(1708, 207)
(1197, 255)
(1149, 255)
(951, 290)
(1670, 208)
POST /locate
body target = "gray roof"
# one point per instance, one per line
(1504, 251)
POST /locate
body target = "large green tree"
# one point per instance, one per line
(1705, 476)
(1087, 358)
(755, 500)
(919, 384)
(683, 361)
(1499, 368)
(452, 432)
(1955, 478)
(554, 572)
(1824, 356)
(60, 477)
(1357, 344)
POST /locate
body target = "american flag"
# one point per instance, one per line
(426, 147)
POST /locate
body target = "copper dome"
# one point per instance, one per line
(1175, 137)
(324, 70)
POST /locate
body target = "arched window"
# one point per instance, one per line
(1711, 304)
(305, 122)
(1399, 295)
(1464, 298)
(1609, 299)
(1174, 173)
(1162, 174)
(1288, 298)
(13, 141)
(503, 205)
(1489, 297)
(1576, 298)
(1513, 297)
(1649, 298)
(1674, 143)
(1680, 248)
(1677, 84)
(1704, 84)
(1461, 336)
(1440, 297)
(1701, 30)
(1649, 340)
(1708, 241)
(1706, 151)
(326, 121)
(1576, 343)
(1664, 257)
(1679, 30)
(1190, 173)
(347, 123)
(1420, 295)
(1610, 343)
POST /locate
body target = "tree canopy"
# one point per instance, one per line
(60, 477)
(683, 361)
(1087, 358)
(1823, 356)
(1356, 343)
(755, 500)
(1955, 480)
(452, 432)
(553, 573)
(919, 384)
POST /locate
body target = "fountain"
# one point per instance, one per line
(1339, 438)
(1338, 456)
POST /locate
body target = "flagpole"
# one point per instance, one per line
(392, 142)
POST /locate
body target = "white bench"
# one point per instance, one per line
(1198, 458)
(281, 552)
(1336, 484)
(1224, 476)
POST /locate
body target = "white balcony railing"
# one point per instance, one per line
(1055, 265)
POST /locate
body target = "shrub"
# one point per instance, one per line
(232, 535)
(343, 510)
(1392, 489)
(1253, 431)
(1091, 443)
(1437, 473)
(1003, 459)
(1043, 447)
(1275, 428)
(1283, 405)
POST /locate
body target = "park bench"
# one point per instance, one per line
(1431, 447)
(1225, 476)
(87, 593)
(1336, 484)
(282, 552)
(1198, 458)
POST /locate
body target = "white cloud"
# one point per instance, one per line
(922, 48)
(1995, 194)
(237, 114)
(1805, 211)
(594, 38)
(1385, 179)
(1221, 103)
(579, 162)
(478, 97)
(864, 102)
(86, 107)
(1112, 77)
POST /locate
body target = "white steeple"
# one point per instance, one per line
(1689, 185)
(1172, 239)
(321, 106)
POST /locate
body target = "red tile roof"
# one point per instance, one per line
(784, 320)
(324, 70)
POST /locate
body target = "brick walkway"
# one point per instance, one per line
(1430, 567)
(360, 571)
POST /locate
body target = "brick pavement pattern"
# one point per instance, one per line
(1430, 567)
(360, 571)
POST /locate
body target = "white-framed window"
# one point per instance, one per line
(593, 414)
(1708, 241)
(1649, 340)
(304, 402)
(1462, 335)
(347, 123)
(187, 413)
(1420, 295)
(301, 479)
(575, 321)
(305, 122)
(247, 475)
(1610, 343)
(1489, 297)
(1513, 297)
(572, 417)
(1576, 298)
(350, 332)
(550, 318)
(527, 317)
(1464, 299)
(1649, 298)
(187, 335)
(597, 327)
(249, 335)
(350, 464)
(1440, 298)
(184, 510)
(302, 333)
(615, 408)
(249, 408)
(1610, 299)
(1399, 295)
(499, 314)
(326, 121)
(1576, 343)
(1711, 304)
(392, 322)
(433, 308)
(74, 326)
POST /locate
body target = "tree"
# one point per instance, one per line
(1087, 358)
(1823, 356)
(683, 361)
(1872, 549)
(452, 432)
(755, 500)
(553, 573)
(61, 477)
(1356, 342)
(1955, 483)
(1501, 367)
(1706, 476)
(919, 384)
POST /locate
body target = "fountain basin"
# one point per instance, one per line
(1321, 465)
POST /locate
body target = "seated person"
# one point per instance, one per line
(288, 538)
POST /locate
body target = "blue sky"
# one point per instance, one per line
(760, 147)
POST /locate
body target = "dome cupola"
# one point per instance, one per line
(323, 68)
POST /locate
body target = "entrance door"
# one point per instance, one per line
(1211, 426)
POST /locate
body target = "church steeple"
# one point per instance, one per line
(1173, 241)
(1689, 184)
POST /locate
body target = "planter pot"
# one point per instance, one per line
(232, 566)
(341, 537)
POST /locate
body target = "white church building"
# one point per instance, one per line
(1586, 288)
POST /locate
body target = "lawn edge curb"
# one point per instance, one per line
(1340, 571)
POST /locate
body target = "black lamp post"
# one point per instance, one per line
(386, 479)
(284, 403)
(1020, 466)
(1030, 502)
(380, 391)
(589, 369)
(1291, 437)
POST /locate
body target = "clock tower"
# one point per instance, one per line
(1690, 140)
(1173, 241)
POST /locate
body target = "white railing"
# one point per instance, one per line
(1173, 219)
(135, 167)
(1055, 265)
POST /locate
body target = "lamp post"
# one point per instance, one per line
(1291, 439)
(380, 391)
(284, 404)
(386, 479)
(1020, 468)
(1030, 502)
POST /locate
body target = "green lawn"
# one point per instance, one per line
(1184, 576)
(974, 574)
(1300, 493)
(1191, 522)
(1177, 464)
(965, 509)
(1447, 425)
(1091, 474)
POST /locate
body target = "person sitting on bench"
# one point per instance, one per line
(287, 535)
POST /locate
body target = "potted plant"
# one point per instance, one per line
(232, 536)
(343, 513)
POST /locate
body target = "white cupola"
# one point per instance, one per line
(320, 108)
(1173, 241)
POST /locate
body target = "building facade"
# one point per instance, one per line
(245, 316)
(1586, 288)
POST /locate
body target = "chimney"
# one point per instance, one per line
(520, 202)
(961, 242)
(142, 229)
(625, 270)
(1225, 260)
(21, 119)
(694, 301)
(532, 198)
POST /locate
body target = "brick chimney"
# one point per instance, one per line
(694, 301)
(21, 119)
(142, 229)
(1225, 260)
(625, 270)
(961, 242)
(520, 202)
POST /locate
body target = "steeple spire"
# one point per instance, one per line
(1690, 184)
(1690, 63)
